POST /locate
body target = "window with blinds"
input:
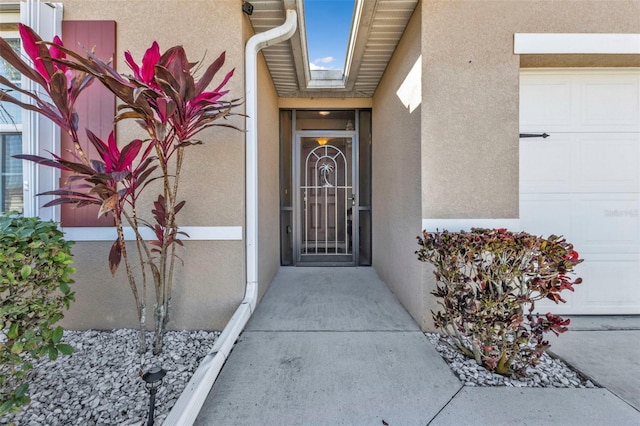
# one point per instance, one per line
(11, 177)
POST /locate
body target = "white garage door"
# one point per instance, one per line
(583, 181)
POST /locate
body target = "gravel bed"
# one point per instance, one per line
(100, 384)
(550, 372)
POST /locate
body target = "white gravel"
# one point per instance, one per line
(550, 372)
(99, 384)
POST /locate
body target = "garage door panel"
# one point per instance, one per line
(563, 101)
(583, 182)
(545, 214)
(610, 104)
(607, 223)
(555, 96)
(607, 163)
(601, 223)
(580, 162)
(611, 285)
(550, 172)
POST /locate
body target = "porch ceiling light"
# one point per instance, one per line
(322, 141)
(324, 113)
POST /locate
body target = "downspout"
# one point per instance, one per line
(187, 407)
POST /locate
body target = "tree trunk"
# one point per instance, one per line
(159, 327)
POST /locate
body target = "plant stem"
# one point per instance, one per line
(140, 244)
(77, 146)
(132, 282)
(174, 230)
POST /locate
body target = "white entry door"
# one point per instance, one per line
(583, 181)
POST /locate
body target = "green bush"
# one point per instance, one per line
(35, 269)
(488, 282)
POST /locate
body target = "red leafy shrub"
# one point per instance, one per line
(488, 281)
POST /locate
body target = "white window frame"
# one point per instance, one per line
(11, 14)
(39, 134)
(10, 127)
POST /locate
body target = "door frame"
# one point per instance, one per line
(297, 199)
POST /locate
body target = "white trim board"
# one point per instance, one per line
(578, 43)
(455, 225)
(196, 233)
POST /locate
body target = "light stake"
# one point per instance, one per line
(153, 378)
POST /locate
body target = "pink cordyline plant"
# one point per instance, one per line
(172, 107)
(60, 84)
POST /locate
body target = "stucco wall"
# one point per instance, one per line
(208, 289)
(396, 183)
(211, 284)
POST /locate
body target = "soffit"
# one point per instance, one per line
(375, 33)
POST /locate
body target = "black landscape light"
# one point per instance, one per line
(152, 378)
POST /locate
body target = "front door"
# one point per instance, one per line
(326, 210)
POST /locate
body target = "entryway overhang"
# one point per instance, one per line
(376, 30)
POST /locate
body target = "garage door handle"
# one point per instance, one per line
(534, 135)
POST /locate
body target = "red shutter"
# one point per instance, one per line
(96, 107)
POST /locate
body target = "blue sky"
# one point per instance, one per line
(328, 24)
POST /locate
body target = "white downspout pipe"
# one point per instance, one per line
(187, 407)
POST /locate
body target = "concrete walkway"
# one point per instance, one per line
(605, 349)
(333, 346)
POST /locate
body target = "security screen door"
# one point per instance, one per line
(326, 199)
